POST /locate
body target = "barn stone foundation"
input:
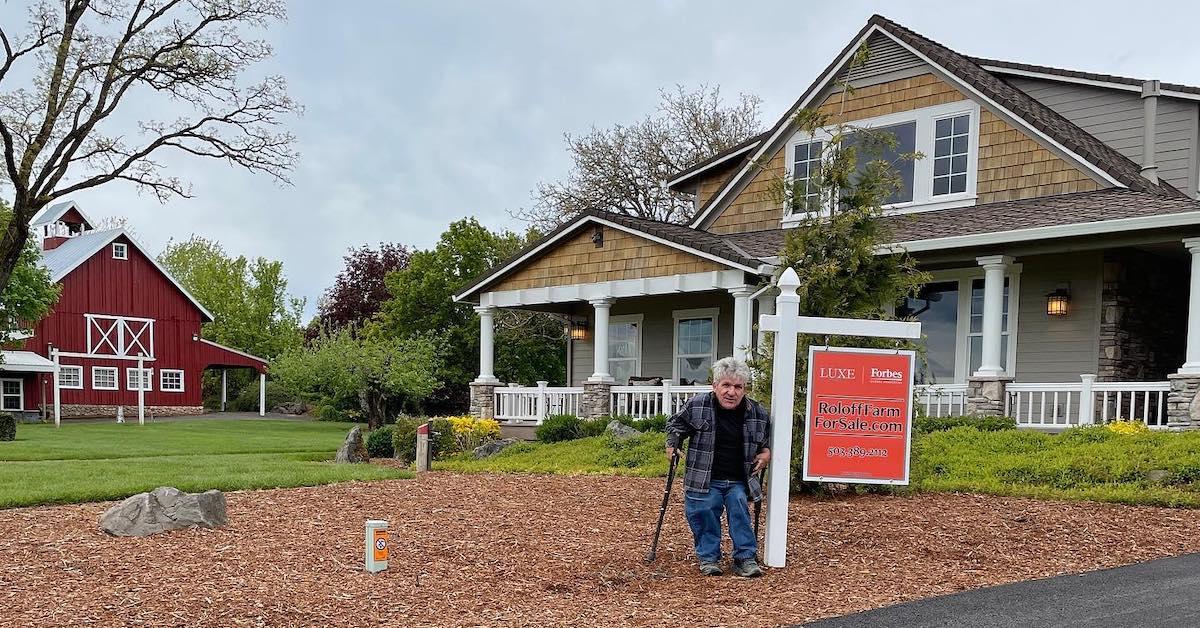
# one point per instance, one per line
(83, 411)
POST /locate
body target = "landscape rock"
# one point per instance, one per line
(290, 407)
(1158, 476)
(165, 508)
(353, 449)
(621, 431)
(494, 447)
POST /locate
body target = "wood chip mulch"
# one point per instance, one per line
(529, 550)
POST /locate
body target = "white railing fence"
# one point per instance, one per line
(515, 403)
(646, 401)
(1061, 405)
(941, 399)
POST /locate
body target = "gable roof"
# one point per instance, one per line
(692, 172)
(1051, 127)
(72, 253)
(1111, 81)
(51, 213)
(700, 243)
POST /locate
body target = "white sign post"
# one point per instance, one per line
(788, 325)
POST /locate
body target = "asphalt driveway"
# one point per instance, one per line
(1157, 593)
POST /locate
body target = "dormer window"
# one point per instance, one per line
(947, 136)
(120, 250)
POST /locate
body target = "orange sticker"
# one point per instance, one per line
(380, 545)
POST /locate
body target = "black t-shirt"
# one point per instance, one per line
(729, 456)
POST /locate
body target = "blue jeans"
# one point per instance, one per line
(703, 512)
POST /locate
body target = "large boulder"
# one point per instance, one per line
(165, 508)
(620, 431)
(290, 407)
(493, 447)
(353, 449)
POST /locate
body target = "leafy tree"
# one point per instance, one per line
(248, 299)
(623, 168)
(360, 289)
(91, 67)
(378, 375)
(528, 345)
(30, 294)
(836, 247)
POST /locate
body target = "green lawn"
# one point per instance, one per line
(1088, 464)
(101, 461)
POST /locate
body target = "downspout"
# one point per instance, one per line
(1150, 93)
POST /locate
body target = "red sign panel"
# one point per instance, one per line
(859, 421)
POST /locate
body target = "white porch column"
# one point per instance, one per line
(994, 267)
(57, 390)
(224, 389)
(262, 394)
(1191, 365)
(142, 391)
(742, 321)
(487, 345)
(600, 340)
(766, 305)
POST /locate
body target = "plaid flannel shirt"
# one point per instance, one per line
(697, 420)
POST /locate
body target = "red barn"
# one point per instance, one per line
(119, 309)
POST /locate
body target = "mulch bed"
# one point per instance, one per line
(543, 550)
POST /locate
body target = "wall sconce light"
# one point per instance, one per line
(578, 328)
(1058, 302)
(195, 337)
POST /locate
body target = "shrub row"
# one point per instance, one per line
(561, 427)
(8, 426)
(930, 424)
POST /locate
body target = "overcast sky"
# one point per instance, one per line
(421, 113)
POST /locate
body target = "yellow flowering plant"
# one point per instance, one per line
(471, 432)
(1127, 428)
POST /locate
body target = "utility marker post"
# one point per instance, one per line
(788, 325)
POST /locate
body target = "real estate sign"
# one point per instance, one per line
(858, 426)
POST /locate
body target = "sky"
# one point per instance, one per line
(417, 114)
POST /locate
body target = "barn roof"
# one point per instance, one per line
(53, 212)
(76, 250)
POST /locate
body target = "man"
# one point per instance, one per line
(730, 434)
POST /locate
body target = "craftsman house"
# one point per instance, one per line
(124, 335)
(1055, 209)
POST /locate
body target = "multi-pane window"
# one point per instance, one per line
(120, 250)
(950, 147)
(135, 378)
(70, 376)
(11, 397)
(624, 348)
(805, 165)
(170, 380)
(695, 347)
(104, 378)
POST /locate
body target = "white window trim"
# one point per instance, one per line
(629, 318)
(926, 117)
(123, 248)
(149, 381)
(116, 372)
(962, 336)
(20, 397)
(70, 367)
(676, 315)
(162, 386)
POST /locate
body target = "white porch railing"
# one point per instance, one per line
(515, 403)
(1062, 405)
(941, 399)
(646, 401)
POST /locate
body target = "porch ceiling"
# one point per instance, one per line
(626, 288)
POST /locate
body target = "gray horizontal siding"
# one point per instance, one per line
(1116, 118)
(658, 333)
(886, 57)
(1053, 348)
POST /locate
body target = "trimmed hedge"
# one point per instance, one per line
(8, 426)
(379, 442)
(930, 424)
(559, 427)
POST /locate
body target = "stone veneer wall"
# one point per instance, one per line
(483, 400)
(1143, 316)
(81, 411)
(597, 400)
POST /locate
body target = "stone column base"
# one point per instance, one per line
(483, 400)
(1183, 404)
(986, 395)
(597, 400)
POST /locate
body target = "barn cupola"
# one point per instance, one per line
(58, 223)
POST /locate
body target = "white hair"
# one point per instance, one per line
(731, 368)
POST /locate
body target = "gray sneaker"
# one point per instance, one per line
(710, 568)
(747, 568)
